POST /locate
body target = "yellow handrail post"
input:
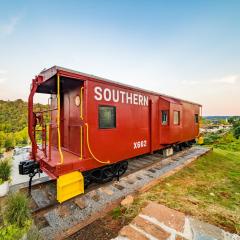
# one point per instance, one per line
(81, 103)
(81, 128)
(88, 144)
(58, 119)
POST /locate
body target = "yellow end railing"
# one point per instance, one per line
(58, 119)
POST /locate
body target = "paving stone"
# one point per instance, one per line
(165, 215)
(205, 231)
(151, 228)
(132, 234)
(121, 238)
(202, 236)
(187, 229)
(178, 237)
(159, 222)
(229, 236)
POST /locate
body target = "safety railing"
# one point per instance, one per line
(43, 130)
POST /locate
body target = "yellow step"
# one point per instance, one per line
(69, 186)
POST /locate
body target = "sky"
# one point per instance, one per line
(187, 49)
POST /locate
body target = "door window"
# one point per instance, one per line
(164, 117)
(196, 118)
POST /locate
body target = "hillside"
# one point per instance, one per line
(13, 123)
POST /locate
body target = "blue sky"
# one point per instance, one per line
(188, 49)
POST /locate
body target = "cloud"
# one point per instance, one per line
(2, 79)
(230, 79)
(190, 83)
(2, 71)
(9, 27)
(2, 75)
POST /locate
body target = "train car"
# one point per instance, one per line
(95, 125)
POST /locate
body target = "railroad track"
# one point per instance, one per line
(43, 193)
(58, 221)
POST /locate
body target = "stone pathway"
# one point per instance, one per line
(158, 222)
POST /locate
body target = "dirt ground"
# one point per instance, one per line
(102, 229)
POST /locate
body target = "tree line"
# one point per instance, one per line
(235, 121)
(13, 123)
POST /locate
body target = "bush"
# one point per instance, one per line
(17, 209)
(33, 234)
(10, 232)
(5, 170)
(16, 217)
(210, 139)
(9, 142)
(236, 132)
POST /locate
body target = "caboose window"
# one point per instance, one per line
(164, 117)
(107, 117)
(196, 117)
(176, 117)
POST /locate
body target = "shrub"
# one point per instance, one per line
(5, 170)
(236, 132)
(9, 142)
(210, 139)
(10, 232)
(17, 209)
(33, 234)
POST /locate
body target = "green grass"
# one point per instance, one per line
(208, 189)
(17, 209)
(5, 170)
(15, 216)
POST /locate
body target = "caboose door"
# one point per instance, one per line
(72, 121)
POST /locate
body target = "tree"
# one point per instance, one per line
(2, 139)
(236, 123)
(236, 132)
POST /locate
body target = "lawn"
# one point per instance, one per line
(208, 189)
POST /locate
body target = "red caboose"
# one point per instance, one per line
(97, 124)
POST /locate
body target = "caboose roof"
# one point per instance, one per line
(51, 72)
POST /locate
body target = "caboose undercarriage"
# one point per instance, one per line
(93, 125)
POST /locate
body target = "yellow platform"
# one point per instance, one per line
(69, 185)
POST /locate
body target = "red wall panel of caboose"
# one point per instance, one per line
(71, 120)
(163, 128)
(186, 129)
(175, 128)
(131, 136)
(170, 132)
(156, 124)
(190, 127)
